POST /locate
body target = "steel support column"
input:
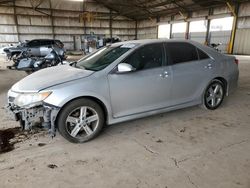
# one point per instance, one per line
(187, 30)
(52, 20)
(207, 40)
(110, 25)
(16, 21)
(171, 27)
(136, 29)
(234, 11)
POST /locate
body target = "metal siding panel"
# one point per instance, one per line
(242, 42)
(198, 37)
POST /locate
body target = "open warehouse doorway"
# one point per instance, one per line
(197, 31)
(220, 32)
(179, 30)
(164, 31)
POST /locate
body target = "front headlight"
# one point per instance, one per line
(30, 99)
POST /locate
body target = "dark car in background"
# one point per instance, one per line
(36, 47)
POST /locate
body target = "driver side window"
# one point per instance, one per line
(147, 57)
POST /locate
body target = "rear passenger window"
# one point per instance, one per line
(202, 55)
(180, 52)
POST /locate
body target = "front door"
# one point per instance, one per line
(145, 89)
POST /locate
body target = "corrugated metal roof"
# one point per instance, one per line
(144, 9)
(141, 9)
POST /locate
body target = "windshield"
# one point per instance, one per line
(102, 58)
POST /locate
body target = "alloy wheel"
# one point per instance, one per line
(82, 122)
(214, 95)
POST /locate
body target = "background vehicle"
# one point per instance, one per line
(37, 47)
(122, 82)
(29, 64)
(216, 46)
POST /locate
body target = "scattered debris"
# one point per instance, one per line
(183, 130)
(150, 150)
(189, 179)
(146, 147)
(138, 183)
(52, 166)
(147, 133)
(28, 160)
(175, 162)
(238, 183)
(159, 141)
(227, 124)
(12, 167)
(81, 162)
(41, 144)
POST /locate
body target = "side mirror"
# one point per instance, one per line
(124, 67)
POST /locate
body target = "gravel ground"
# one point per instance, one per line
(189, 148)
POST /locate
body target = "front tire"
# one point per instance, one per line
(80, 121)
(214, 95)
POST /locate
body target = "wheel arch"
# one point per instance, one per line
(95, 99)
(225, 83)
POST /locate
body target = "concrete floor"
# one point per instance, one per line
(189, 148)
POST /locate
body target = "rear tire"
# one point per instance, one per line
(80, 121)
(214, 95)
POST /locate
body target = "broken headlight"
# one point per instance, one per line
(30, 99)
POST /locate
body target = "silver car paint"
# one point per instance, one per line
(135, 94)
(45, 78)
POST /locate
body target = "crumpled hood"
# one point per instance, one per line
(49, 77)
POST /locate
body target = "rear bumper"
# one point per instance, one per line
(233, 82)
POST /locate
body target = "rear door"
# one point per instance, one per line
(145, 89)
(191, 69)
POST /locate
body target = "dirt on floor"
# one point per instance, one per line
(189, 148)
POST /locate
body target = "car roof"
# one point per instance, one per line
(46, 39)
(149, 41)
(212, 53)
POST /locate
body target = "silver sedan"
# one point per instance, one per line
(121, 82)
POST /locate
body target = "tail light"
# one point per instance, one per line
(236, 61)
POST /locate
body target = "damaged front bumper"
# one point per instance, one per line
(27, 117)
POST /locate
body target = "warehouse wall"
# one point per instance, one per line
(198, 37)
(61, 20)
(147, 29)
(242, 38)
